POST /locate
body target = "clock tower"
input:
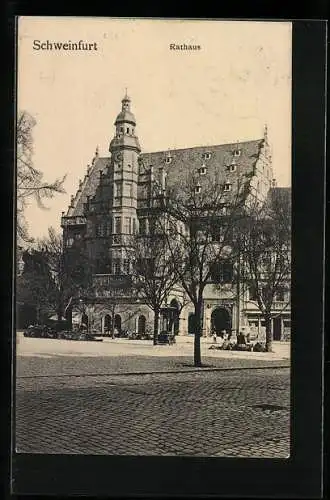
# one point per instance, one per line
(124, 149)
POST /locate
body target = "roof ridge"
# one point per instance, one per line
(207, 146)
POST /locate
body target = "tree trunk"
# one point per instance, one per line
(38, 314)
(112, 330)
(60, 311)
(198, 332)
(68, 317)
(60, 305)
(156, 326)
(269, 337)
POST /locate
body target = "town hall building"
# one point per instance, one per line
(113, 202)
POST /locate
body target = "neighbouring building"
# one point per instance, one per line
(113, 201)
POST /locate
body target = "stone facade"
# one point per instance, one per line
(114, 201)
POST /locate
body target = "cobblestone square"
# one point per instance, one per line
(230, 413)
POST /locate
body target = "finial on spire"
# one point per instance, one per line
(126, 97)
(265, 131)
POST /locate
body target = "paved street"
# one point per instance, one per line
(238, 412)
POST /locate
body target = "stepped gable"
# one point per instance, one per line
(89, 185)
(220, 157)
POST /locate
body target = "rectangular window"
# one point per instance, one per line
(127, 225)
(134, 226)
(117, 225)
(227, 272)
(222, 272)
(117, 189)
(116, 266)
(109, 227)
(69, 242)
(252, 293)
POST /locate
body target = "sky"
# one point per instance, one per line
(225, 92)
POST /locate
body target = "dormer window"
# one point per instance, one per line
(227, 186)
(206, 156)
(202, 170)
(197, 189)
(168, 159)
(237, 153)
(232, 167)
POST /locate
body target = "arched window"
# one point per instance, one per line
(141, 324)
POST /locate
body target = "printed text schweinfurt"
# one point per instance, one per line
(68, 45)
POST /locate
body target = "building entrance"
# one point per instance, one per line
(277, 333)
(220, 320)
(141, 324)
(107, 323)
(174, 321)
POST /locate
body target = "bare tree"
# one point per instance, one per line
(265, 241)
(201, 214)
(68, 269)
(30, 183)
(35, 286)
(152, 267)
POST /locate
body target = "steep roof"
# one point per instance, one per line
(220, 157)
(214, 158)
(88, 186)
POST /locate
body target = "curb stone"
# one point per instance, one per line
(191, 370)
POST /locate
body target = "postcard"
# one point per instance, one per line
(153, 253)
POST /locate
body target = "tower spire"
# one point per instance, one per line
(266, 132)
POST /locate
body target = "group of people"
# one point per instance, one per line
(225, 339)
